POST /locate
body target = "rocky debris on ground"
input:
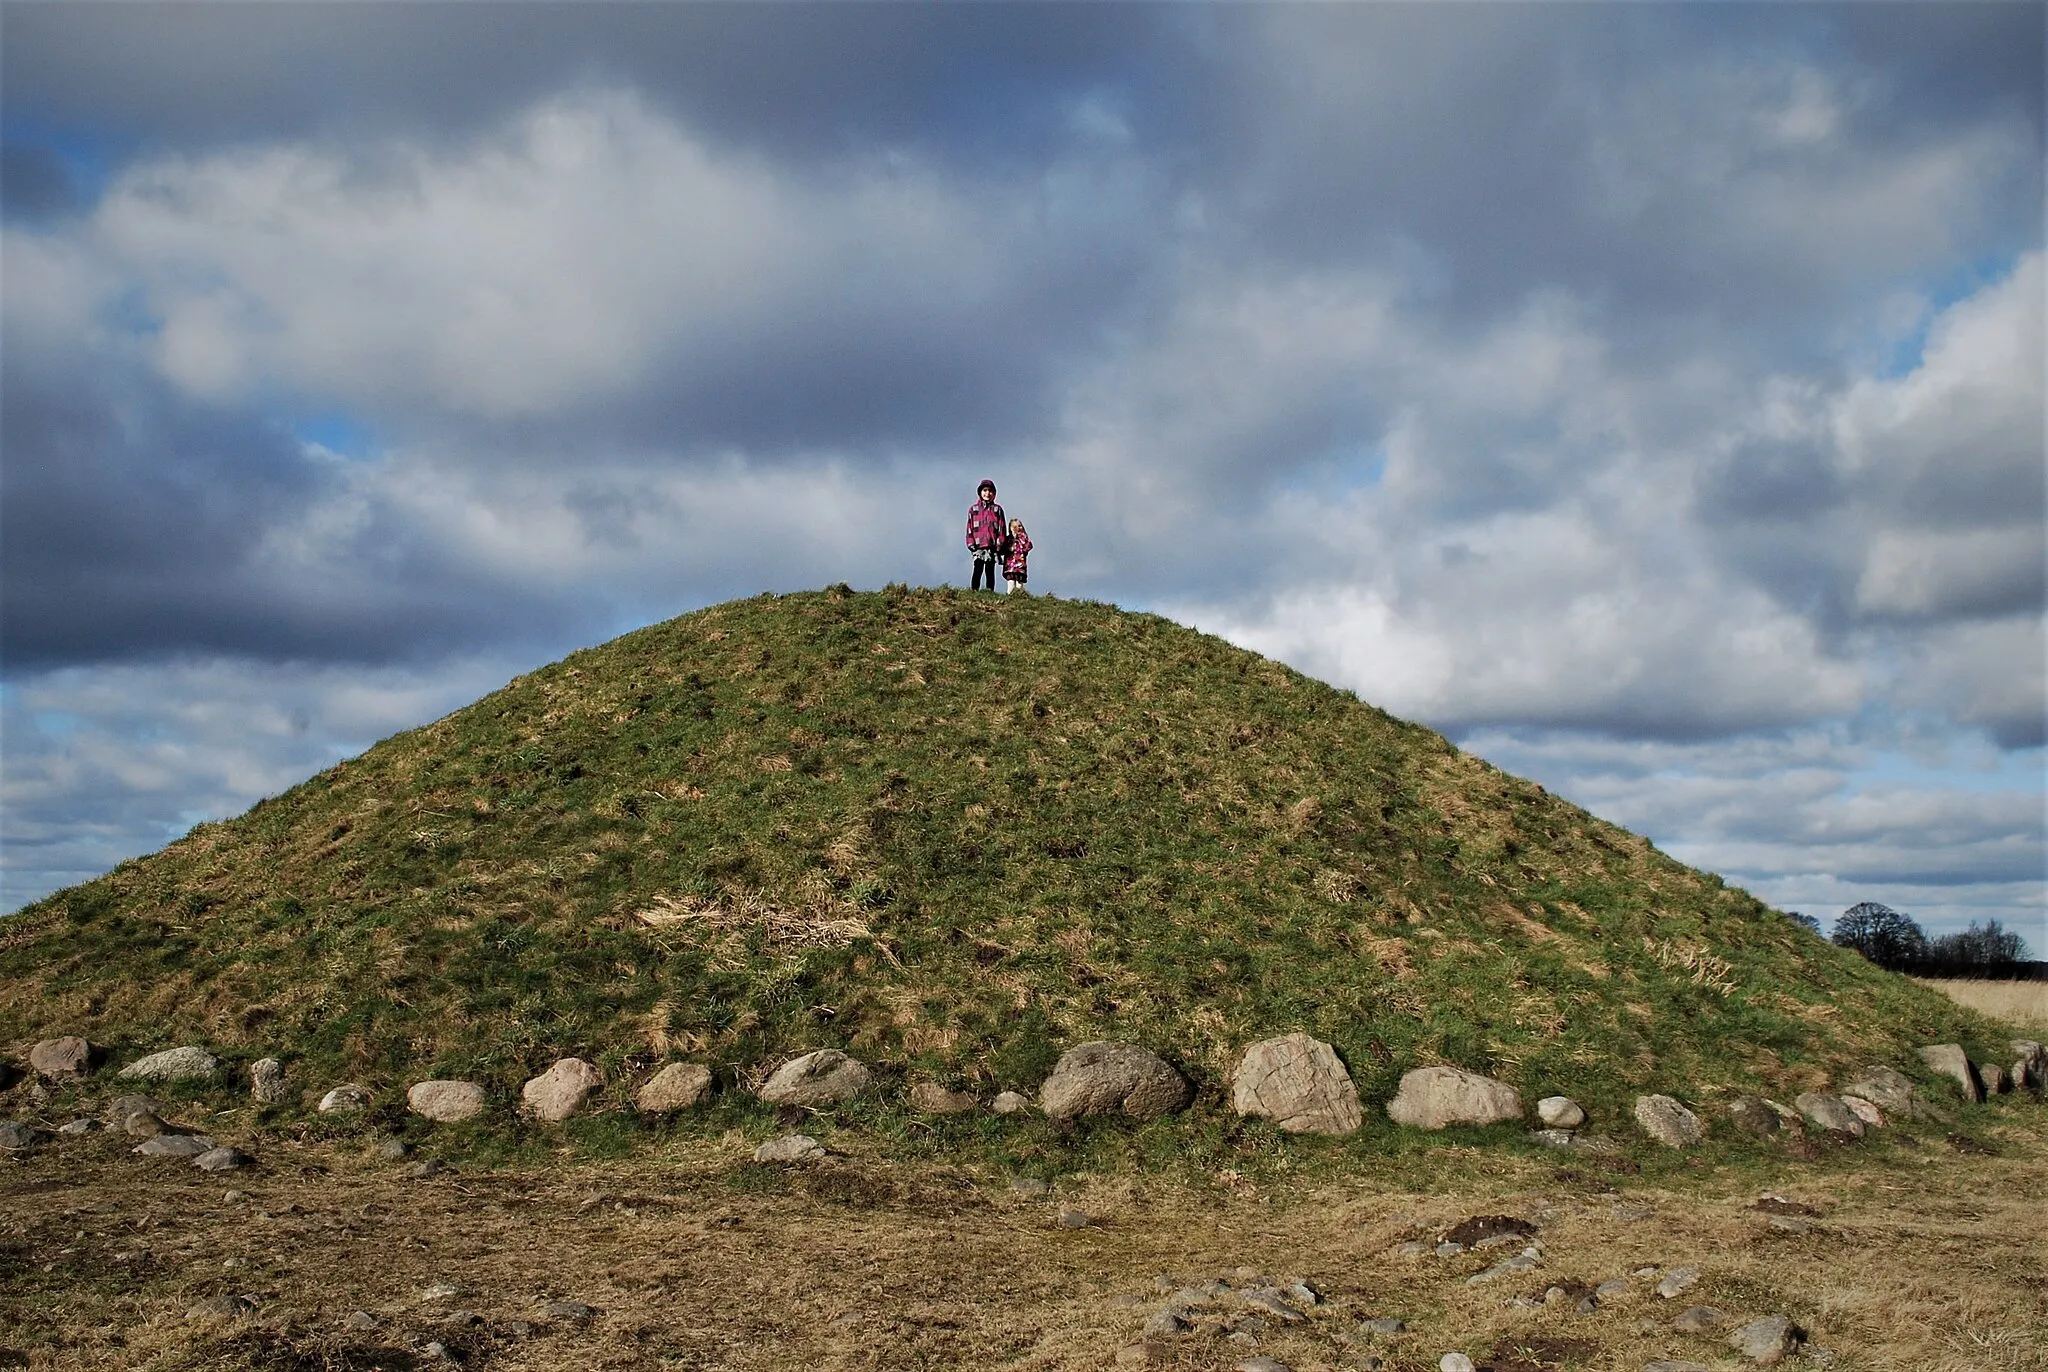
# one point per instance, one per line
(62, 1058)
(1993, 1077)
(1678, 1281)
(1010, 1103)
(1668, 1122)
(430, 1167)
(174, 1146)
(233, 1197)
(1486, 1231)
(219, 1309)
(15, 1136)
(1766, 1341)
(144, 1124)
(360, 1321)
(1614, 1288)
(1104, 1078)
(790, 1148)
(188, 1063)
(1699, 1319)
(1029, 1187)
(1829, 1112)
(568, 1310)
(1554, 1138)
(443, 1291)
(121, 1107)
(1525, 1261)
(931, 1098)
(1142, 1353)
(393, 1150)
(560, 1091)
(1951, 1061)
(1560, 1112)
(1750, 1115)
(1299, 1083)
(1886, 1088)
(267, 1082)
(678, 1086)
(344, 1099)
(78, 1126)
(222, 1160)
(1384, 1324)
(1771, 1203)
(1074, 1219)
(1435, 1097)
(446, 1101)
(824, 1077)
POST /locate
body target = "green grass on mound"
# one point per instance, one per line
(955, 835)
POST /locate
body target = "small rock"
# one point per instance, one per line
(443, 1291)
(1765, 1341)
(392, 1150)
(1552, 1138)
(173, 1064)
(560, 1091)
(1104, 1078)
(1520, 1263)
(933, 1099)
(222, 1160)
(431, 1167)
(1790, 1224)
(1030, 1187)
(444, 1101)
(677, 1086)
(1384, 1325)
(1163, 1324)
(434, 1348)
(790, 1148)
(1272, 1303)
(1140, 1354)
(79, 1126)
(1668, 1122)
(344, 1099)
(1009, 1103)
(15, 1136)
(460, 1319)
(233, 1197)
(1950, 1060)
(1612, 1289)
(1262, 1364)
(1993, 1077)
(1074, 1219)
(1828, 1112)
(267, 1082)
(1413, 1248)
(1865, 1110)
(61, 1059)
(121, 1107)
(1299, 1083)
(1242, 1338)
(1454, 1362)
(174, 1146)
(1448, 1249)
(1436, 1097)
(144, 1124)
(824, 1077)
(1753, 1116)
(1560, 1112)
(219, 1308)
(1699, 1319)
(361, 1321)
(1678, 1281)
(568, 1310)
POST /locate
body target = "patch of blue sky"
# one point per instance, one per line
(1993, 771)
(89, 158)
(56, 724)
(343, 435)
(1958, 284)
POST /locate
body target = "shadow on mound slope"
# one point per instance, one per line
(952, 834)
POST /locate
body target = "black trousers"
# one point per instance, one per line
(991, 569)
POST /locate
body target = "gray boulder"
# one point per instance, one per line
(560, 1091)
(1560, 1112)
(1752, 1116)
(120, 1108)
(344, 1099)
(1828, 1112)
(267, 1082)
(1889, 1090)
(1950, 1060)
(1866, 1111)
(1994, 1079)
(1765, 1341)
(790, 1148)
(174, 1064)
(1113, 1078)
(2030, 1065)
(1434, 1097)
(1010, 1103)
(62, 1058)
(1669, 1122)
(15, 1136)
(677, 1086)
(174, 1146)
(1298, 1082)
(222, 1160)
(824, 1077)
(444, 1101)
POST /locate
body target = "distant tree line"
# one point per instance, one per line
(1894, 940)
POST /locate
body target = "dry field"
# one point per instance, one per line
(1922, 1255)
(2024, 1003)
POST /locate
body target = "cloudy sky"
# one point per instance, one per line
(1649, 396)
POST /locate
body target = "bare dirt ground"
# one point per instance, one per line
(1925, 1254)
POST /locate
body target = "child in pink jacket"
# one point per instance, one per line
(1015, 572)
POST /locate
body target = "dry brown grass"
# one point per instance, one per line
(1921, 1258)
(2024, 1003)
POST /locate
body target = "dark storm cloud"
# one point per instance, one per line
(34, 183)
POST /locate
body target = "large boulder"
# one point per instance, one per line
(62, 1058)
(1433, 1097)
(1669, 1122)
(1113, 1078)
(1889, 1090)
(1950, 1060)
(1297, 1082)
(1831, 1113)
(1753, 1116)
(560, 1091)
(446, 1102)
(267, 1082)
(2030, 1065)
(174, 1064)
(824, 1077)
(677, 1086)
(1560, 1112)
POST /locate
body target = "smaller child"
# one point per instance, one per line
(1014, 570)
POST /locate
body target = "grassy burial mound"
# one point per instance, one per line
(953, 835)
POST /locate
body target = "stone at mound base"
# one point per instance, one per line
(1886, 1089)
(1752, 1116)
(1828, 1112)
(221, 1160)
(445, 1102)
(1950, 1060)
(1297, 1082)
(174, 1146)
(59, 1058)
(1560, 1112)
(173, 1064)
(1993, 1077)
(1765, 1341)
(824, 1077)
(1433, 1097)
(1669, 1122)
(15, 1135)
(1112, 1078)
(267, 1083)
(1009, 1103)
(677, 1086)
(560, 1091)
(1865, 1110)
(2030, 1068)
(934, 1099)
(790, 1148)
